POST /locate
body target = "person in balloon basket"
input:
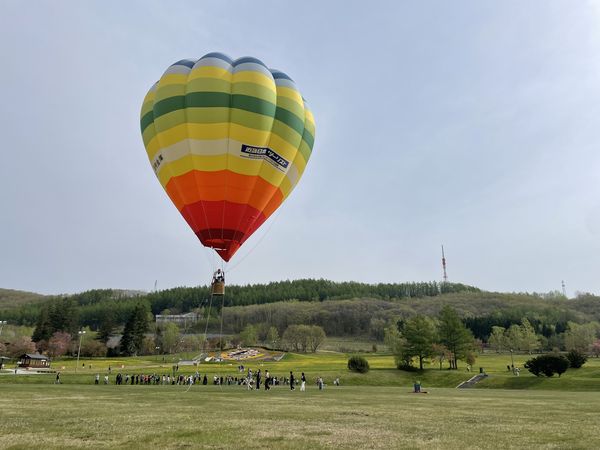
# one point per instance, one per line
(219, 276)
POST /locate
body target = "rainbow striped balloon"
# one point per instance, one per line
(228, 141)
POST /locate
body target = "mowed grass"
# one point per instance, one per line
(332, 365)
(78, 416)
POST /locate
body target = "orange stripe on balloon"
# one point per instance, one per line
(196, 185)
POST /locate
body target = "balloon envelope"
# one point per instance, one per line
(228, 141)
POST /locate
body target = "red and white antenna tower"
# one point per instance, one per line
(444, 265)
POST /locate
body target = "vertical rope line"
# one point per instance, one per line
(221, 333)
(206, 326)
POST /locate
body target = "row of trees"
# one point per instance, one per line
(580, 337)
(92, 306)
(422, 337)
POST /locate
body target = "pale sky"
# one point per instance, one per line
(473, 124)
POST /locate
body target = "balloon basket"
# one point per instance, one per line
(218, 288)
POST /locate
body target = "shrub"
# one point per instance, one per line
(358, 364)
(547, 365)
(576, 359)
(93, 348)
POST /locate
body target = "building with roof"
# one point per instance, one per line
(33, 361)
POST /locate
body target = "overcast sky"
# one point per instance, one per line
(473, 124)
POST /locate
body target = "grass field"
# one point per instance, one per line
(331, 365)
(373, 410)
(77, 416)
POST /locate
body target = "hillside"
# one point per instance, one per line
(12, 299)
(342, 309)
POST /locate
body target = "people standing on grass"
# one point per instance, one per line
(57, 378)
(303, 383)
(258, 377)
(97, 379)
(292, 381)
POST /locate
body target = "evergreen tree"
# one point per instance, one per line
(106, 327)
(42, 331)
(135, 329)
(454, 335)
(419, 333)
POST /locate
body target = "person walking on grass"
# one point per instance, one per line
(292, 381)
(57, 378)
(303, 383)
(258, 377)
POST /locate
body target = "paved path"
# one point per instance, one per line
(472, 381)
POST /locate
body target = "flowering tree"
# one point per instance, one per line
(59, 343)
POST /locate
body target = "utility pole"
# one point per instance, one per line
(444, 265)
(80, 333)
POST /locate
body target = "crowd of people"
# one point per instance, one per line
(252, 380)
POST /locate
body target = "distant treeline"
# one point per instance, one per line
(94, 305)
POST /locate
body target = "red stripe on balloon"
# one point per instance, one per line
(222, 225)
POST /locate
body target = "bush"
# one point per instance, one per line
(576, 359)
(547, 365)
(93, 348)
(358, 364)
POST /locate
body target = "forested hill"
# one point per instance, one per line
(91, 306)
(11, 299)
(346, 308)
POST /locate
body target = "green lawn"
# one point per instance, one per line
(331, 365)
(374, 410)
(77, 416)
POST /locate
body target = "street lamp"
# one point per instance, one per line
(80, 333)
(512, 361)
(157, 348)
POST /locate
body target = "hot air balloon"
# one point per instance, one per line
(228, 140)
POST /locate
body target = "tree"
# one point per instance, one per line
(576, 359)
(596, 348)
(419, 334)
(497, 339)
(249, 335)
(59, 343)
(358, 364)
(513, 337)
(42, 331)
(107, 325)
(580, 337)
(169, 337)
(441, 353)
(135, 329)
(273, 336)
(93, 348)
(315, 338)
(529, 340)
(296, 337)
(397, 345)
(454, 335)
(19, 346)
(547, 365)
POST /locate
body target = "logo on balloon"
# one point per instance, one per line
(271, 156)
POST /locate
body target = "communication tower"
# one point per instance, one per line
(444, 265)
